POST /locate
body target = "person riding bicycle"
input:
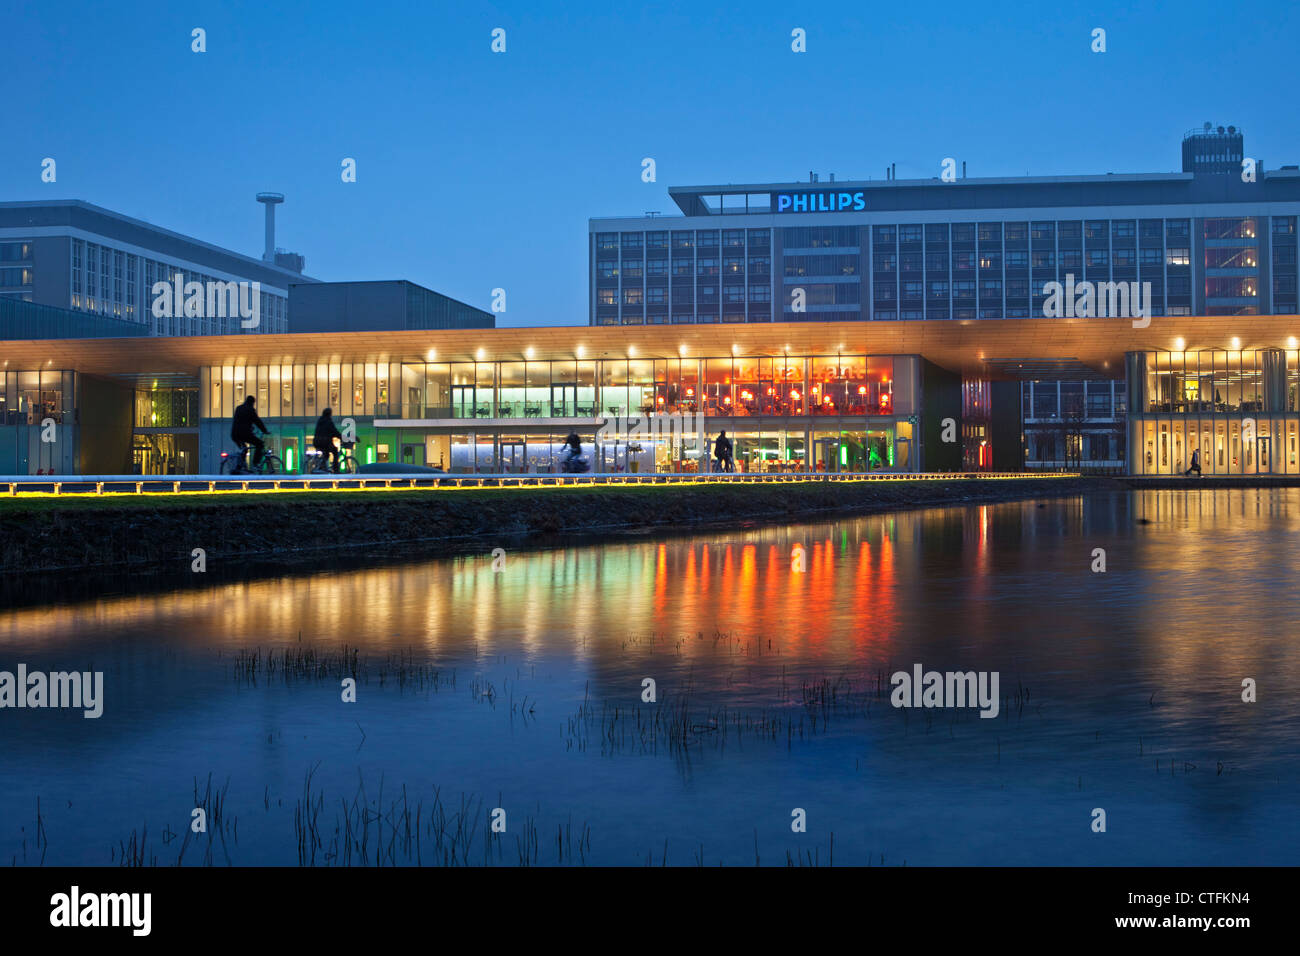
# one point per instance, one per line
(324, 438)
(573, 460)
(722, 452)
(241, 431)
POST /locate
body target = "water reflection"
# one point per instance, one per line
(1112, 672)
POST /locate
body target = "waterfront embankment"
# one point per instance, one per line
(39, 534)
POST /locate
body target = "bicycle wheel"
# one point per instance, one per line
(271, 464)
(348, 465)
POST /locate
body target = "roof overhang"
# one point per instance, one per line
(977, 348)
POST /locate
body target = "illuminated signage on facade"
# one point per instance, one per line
(819, 202)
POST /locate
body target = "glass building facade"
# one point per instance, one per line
(661, 276)
(1075, 425)
(830, 413)
(959, 270)
(38, 433)
(1239, 409)
(110, 281)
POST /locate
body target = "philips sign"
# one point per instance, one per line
(819, 202)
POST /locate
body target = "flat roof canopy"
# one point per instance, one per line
(976, 348)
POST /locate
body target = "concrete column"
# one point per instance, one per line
(1135, 374)
(1274, 379)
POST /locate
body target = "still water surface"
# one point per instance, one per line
(520, 688)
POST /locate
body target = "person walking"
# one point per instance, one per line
(1196, 464)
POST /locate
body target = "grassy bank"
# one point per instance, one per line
(39, 534)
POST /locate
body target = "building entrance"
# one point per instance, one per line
(513, 457)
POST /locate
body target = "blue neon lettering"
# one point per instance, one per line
(820, 202)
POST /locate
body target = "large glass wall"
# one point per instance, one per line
(735, 385)
(1222, 381)
(830, 413)
(166, 408)
(1228, 446)
(28, 398)
(1237, 408)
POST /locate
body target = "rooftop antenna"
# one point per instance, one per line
(270, 200)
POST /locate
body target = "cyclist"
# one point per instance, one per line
(722, 452)
(325, 438)
(241, 432)
(573, 461)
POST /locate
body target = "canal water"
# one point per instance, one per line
(500, 711)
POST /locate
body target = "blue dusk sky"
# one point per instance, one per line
(478, 170)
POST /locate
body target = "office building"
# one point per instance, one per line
(74, 255)
(1216, 238)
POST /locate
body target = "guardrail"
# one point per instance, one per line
(69, 485)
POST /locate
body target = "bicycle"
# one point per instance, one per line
(319, 463)
(238, 464)
(574, 465)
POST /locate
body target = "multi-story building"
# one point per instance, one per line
(78, 256)
(1217, 238)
